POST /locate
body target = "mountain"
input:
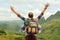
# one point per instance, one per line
(57, 15)
(12, 26)
(15, 25)
(50, 30)
(42, 20)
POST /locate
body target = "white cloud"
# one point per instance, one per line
(19, 0)
(52, 3)
(30, 6)
(24, 6)
(37, 12)
(2, 18)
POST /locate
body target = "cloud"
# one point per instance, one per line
(25, 6)
(19, 0)
(30, 6)
(53, 3)
(8, 18)
(37, 12)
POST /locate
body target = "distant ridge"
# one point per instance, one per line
(57, 15)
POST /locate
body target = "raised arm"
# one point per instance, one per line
(39, 17)
(12, 8)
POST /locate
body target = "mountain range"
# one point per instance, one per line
(15, 25)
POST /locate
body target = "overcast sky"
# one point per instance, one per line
(25, 6)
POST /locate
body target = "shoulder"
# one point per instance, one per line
(36, 19)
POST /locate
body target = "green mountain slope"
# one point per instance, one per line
(42, 20)
(57, 15)
(50, 30)
(11, 26)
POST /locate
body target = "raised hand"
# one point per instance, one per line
(42, 13)
(46, 5)
(12, 8)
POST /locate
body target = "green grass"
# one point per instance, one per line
(50, 31)
(11, 37)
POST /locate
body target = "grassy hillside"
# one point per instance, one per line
(9, 30)
(57, 15)
(50, 30)
(42, 20)
(11, 26)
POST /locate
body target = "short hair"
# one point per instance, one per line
(30, 15)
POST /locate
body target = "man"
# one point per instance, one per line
(30, 16)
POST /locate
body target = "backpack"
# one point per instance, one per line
(31, 26)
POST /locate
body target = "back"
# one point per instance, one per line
(31, 26)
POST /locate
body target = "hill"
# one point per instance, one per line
(11, 26)
(50, 30)
(42, 20)
(57, 15)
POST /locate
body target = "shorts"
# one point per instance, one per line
(30, 37)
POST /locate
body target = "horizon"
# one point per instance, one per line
(26, 17)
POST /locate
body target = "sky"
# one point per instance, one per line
(25, 6)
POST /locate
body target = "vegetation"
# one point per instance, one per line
(50, 30)
(9, 30)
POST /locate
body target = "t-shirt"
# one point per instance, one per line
(36, 19)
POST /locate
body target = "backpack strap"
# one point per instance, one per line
(26, 23)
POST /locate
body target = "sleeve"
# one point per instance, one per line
(21, 17)
(40, 16)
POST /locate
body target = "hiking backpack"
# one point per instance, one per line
(31, 26)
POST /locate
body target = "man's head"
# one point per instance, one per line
(30, 15)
